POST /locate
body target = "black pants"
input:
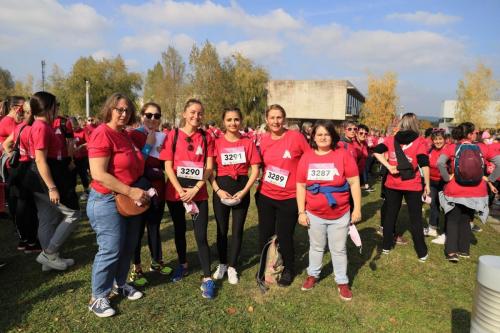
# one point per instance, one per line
(413, 200)
(435, 209)
(458, 232)
(151, 220)
(200, 225)
(222, 212)
(277, 217)
(22, 205)
(82, 167)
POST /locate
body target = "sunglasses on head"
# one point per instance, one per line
(438, 130)
(350, 129)
(190, 143)
(152, 115)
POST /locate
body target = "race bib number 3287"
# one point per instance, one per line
(321, 171)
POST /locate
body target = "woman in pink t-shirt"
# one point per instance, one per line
(407, 154)
(116, 166)
(326, 177)
(281, 150)
(234, 156)
(188, 163)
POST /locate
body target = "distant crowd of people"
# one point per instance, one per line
(131, 166)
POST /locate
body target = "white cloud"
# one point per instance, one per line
(383, 50)
(157, 42)
(50, 23)
(102, 54)
(253, 49)
(425, 18)
(172, 13)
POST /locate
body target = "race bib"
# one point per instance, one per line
(322, 171)
(190, 170)
(233, 155)
(276, 176)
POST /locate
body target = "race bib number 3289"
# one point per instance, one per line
(276, 176)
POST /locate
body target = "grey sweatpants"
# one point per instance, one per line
(55, 222)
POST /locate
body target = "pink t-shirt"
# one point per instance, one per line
(234, 158)
(126, 162)
(280, 158)
(331, 169)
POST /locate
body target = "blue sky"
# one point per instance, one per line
(429, 44)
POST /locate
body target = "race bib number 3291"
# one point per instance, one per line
(276, 176)
(233, 155)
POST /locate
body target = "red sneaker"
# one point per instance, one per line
(309, 283)
(344, 292)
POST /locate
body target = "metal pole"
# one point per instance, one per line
(43, 75)
(87, 98)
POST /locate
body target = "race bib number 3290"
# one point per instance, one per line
(276, 176)
(190, 170)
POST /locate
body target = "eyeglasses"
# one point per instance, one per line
(190, 143)
(350, 129)
(362, 133)
(121, 111)
(151, 115)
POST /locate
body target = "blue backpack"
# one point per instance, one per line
(469, 164)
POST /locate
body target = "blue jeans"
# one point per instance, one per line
(334, 232)
(116, 238)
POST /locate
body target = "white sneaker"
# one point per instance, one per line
(431, 232)
(51, 260)
(232, 275)
(220, 271)
(84, 196)
(69, 262)
(441, 239)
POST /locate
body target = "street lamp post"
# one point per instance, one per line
(87, 98)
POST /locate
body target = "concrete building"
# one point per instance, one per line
(316, 99)
(491, 114)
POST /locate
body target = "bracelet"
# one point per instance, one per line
(302, 213)
(195, 185)
(217, 190)
(53, 188)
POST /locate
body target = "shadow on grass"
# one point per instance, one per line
(21, 306)
(460, 321)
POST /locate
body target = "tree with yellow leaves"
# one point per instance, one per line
(474, 94)
(381, 103)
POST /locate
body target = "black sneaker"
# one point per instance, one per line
(452, 258)
(21, 246)
(286, 278)
(33, 248)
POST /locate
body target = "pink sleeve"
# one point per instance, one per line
(99, 145)
(350, 166)
(166, 153)
(254, 157)
(40, 138)
(301, 176)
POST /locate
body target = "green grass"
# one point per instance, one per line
(394, 293)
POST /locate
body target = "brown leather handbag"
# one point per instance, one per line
(126, 206)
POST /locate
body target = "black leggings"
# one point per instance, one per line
(178, 214)
(151, 219)
(222, 212)
(413, 200)
(435, 210)
(82, 167)
(277, 217)
(458, 232)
